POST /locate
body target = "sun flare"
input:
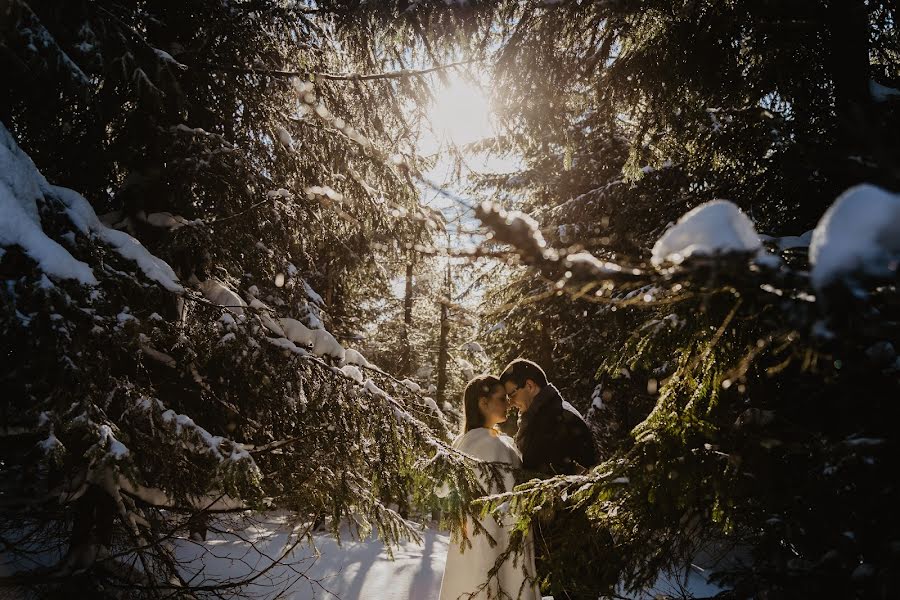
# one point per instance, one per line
(461, 113)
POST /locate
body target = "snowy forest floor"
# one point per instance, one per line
(262, 552)
(347, 571)
(351, 570)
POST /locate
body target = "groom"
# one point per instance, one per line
(554, 440)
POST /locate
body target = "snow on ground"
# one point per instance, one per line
(351, 570)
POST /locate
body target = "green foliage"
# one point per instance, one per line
(732, 407)
(742, 392)
(134, 414)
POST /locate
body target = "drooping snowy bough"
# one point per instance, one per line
(719, 323)
(139, 405)
(717, 227)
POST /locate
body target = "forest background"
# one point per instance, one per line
(267, 156)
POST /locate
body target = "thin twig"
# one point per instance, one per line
(335, 76)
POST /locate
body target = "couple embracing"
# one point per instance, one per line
(552, 439)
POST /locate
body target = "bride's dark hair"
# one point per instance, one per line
(479, 387)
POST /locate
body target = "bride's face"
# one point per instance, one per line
(493, 407)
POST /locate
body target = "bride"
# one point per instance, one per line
(466, 573)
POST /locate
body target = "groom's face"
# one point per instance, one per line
(519, 396)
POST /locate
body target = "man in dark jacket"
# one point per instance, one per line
(554, 440)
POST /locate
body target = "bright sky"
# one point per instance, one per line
(461, 115)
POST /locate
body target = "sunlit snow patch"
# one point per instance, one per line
(297, 332)
(324, 344)
(353, 373)
(412, 385)
(473, 347)
(717, 227)
(466, 367)
(352, 357)
(284, 137)
(218, 293)
(84, 217)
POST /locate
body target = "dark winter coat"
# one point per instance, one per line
(552, 439)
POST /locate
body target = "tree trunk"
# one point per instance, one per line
(329, 283)
(848, 31)
(443, 346)
(406, 360)
(92, 527)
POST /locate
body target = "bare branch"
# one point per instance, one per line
(335, 76)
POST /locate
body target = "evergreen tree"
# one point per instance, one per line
(738, 404)
(627, 115)
(176, 358)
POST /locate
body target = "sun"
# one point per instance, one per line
(461, 113)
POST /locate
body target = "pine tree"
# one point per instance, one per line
(230, 141)
(747, 426)
(176, 358)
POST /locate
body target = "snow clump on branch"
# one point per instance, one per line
(717, 227)
(516, 229)
(352, 357)
(23, 188)
(218, 293)
(858, 237)
(284, 137)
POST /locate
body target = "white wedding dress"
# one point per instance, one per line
(466, 572)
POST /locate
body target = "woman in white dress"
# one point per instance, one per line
(466, 573)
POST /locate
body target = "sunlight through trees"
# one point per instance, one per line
(252, 252)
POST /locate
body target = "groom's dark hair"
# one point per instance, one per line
(520, 370)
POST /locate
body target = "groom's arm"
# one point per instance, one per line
(581, 445)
